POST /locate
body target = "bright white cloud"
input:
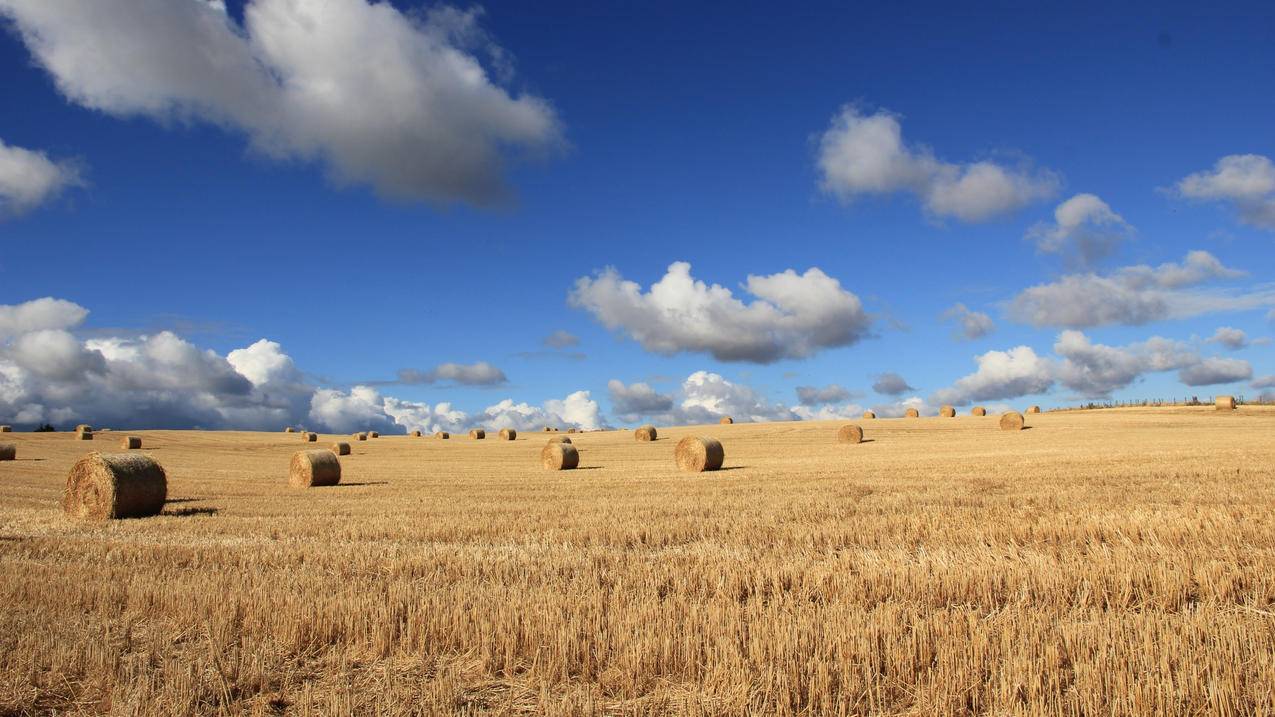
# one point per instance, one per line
(793, 316)
(897, 409)
(263, 363)
(866, 154)
(29, 179)
(400, 102)
(1245, 181)
(46, 313)
(1001, 375)
(970, 324)
(1085, 230)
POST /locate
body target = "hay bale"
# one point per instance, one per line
(912, 413)
(559, 456)
(547, 429)
(573, 430)
(869, 414)
(8, 451)
(416, 434)
(83, 427)
(442, 436)
(947, 412)
(341, 449)
(1225, 403)
(726, 420)
(646, 433)
(478, 434)
(359, 436)
(508, 434)
(559, 439)
(849, 433)
(1011, 421)
(289, 429)
(373, 434)
(699, 453)
(6, 429)
(310, 437)
(978, 411)
(131, 443)
(84, 435)
(1033, 409)
(118, 485)
(314, 468)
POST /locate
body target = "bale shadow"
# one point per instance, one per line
(188, 512)
(587, 468)
(868, 440)
(373, 482)
(1028, 428)
(30, 459)
(184, 500)
(732, 468)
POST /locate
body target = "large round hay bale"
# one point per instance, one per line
(726, 420)
(359, 436)
(478, 434)
(6, 429)
(131, 443)
(442, 436)
(646, 433)
(559, 456)
(373, 434)
(310, 437)
(869, 414)
(508, 434)
(1011, 421)
(849, 433)
(416, 434)
(289, 429)
(83, 427)
(559, 439)
(1225, 403)
(1033, 409)
(314, 468)
(947, 412)
(978, 411)
(8, 451)
(699, 453)
(84, 435)
(341, 449)
(116, 485)
(912, 413)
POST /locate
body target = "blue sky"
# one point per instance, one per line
(634, 137)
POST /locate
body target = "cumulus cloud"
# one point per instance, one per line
(1230, 337)
(401, 102)
(29, 179)
(970, 324)
(478, 374)
(1263, 382)
(793, 315)
(39, 314)
(577, 410)
(561, 339)
(704, 397)
(1085, 230)
(821, 395)
(890, 384)
(631, 402)
(897, 409)
(1001, 375)
(1245, 181)
(1136, 295)
(1215, 370)
(864, 154)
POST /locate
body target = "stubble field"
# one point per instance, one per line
(1113, 562)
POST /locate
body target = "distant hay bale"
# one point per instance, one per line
(373, 434)
(6, 429)
(508, 434)
(850, 433)
(416, 434)
(359, 436)
(559, 456)
(8, 451)
(314, 468)
(912, 413)
(131, 443)
(869, 414)
(84, 435)
(1225, 403)
(559, 439)
(478, 434)
(547, 429)
(573, 430)
(1011, 421)
(947, 412)
(289, 429)
(442, 436)
(646, 433)
(699, 453)
(83, 427)
(978, 411)
(117, 485)
(726, 420)
(341, 449)
(1033, 409)
(310, 437)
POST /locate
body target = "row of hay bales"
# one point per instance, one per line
(946, 412)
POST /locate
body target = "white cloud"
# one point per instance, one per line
(631, 402)
(897, 409)
(478, 374)
(794, 315)
(1085, 229)
(1263, 382)
(401, 102)
(263, 362)
(822, 395)
(1001, 375)
(29, 179)
(561, 339)
(1246, 181)
(1230, 337)
(891, 384)
(1215, 370)
(46, 313)
(1136, 295)
(707, 396)
(361, 409)
(577, 410)
(972, 324)
(1096, 370)
(866, 154)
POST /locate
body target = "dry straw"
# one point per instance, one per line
(646, 433)
(131, 443)
(869, 414)
(508, 434)
(559, 439)
(442, 436)
(359, 436)
(1033, 409)
(947, 412)
(311, 437)
(559, 456)
(478, 434)
(978, 411)
(850, 433)
(416, 434)
(1011, 421)
(699, 453)
(726, 420)
(314, 468)
(341, 449)
(8, 451)
(117, 485)
(1225, 403)
(912, 413)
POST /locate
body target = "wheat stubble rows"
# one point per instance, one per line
(1105, 562)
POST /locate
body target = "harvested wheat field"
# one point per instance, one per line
(1113, 562)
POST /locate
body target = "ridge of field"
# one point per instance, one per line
(1113, 562)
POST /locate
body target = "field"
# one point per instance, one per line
(1114, 562)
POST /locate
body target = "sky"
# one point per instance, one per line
(345, 214)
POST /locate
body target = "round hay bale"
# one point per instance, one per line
(947, 412)
(699, 453)
(573, 430)
(726, 420)
(289, 429)
(1225, 403)
(117, 485)
(869, 414)
(559, 439)
(508, 434)
(373, 434)
(416, 434)
(442, 436)
(6, 429)
(1033, 409)
(1011, 421)
(8, 451)
(978, 411)
(310, 437)
(359, 436)
(478, 434)
(314, 468)
(131, 443)
(912, 413)
(559, 456)
(547, 429)
(84, 435)
(83, 427)
(341, 449)
(849, 433)
(646, 433)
